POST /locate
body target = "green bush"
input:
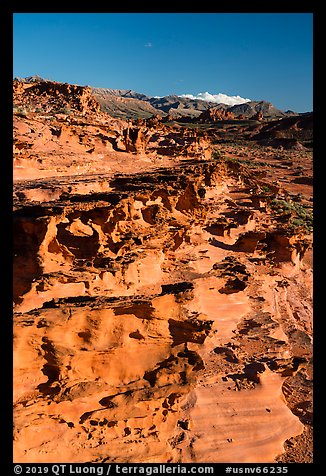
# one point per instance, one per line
(65, 110)
(20, 111)
(299, 216)
(217, 154)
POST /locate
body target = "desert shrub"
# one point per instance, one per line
(217, 154)
(64, 110)
(265, 188)
(299, 216)
(20, 111)
(280, 205)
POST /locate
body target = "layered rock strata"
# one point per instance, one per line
(162, 316)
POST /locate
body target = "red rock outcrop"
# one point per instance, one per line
(119, 304)
(50, 95)
(160, 304)
(215, 114)
(259, 116)
(154, 121)
(136, 139)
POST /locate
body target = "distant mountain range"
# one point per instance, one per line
(122, 103)
(131, 104)
(128, 104)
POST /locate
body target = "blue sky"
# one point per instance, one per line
(254, 55)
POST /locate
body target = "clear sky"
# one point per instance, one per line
(260, 56)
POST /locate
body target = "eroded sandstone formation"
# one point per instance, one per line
(143, 310)
(259, 116)
(214, 114)
(162, 300)
(49, 95)
(136, 139)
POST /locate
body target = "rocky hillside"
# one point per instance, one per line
(290, 132)
(179, 107)
(50, 96)
(251, 108)
(128, 104)
(124, 104)
(162, 289)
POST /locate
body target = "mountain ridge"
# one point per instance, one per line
(130, 104)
